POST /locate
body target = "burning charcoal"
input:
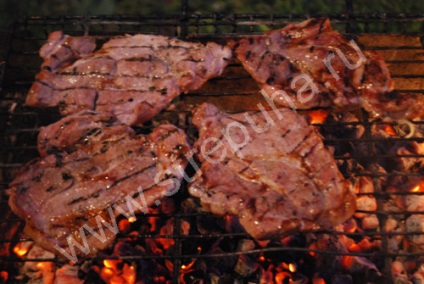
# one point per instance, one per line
(35, 270)
(365, 203)
(68, 274)
(168, 230)
(22, 248)
(401, 279)
(418, 276)
(415, 223)
(246, 245)
(342, 126)
(246, 266)
(364, 185)
(152, 245)
(128, 273)
(266, 276)
(189, 205)
(357, 264)
(370, 222)
(398, 268)
(405, 148)
(123, 247)
(124, 226)
(317, 279)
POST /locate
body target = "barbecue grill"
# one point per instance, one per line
(214, 241)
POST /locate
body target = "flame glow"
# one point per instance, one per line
(20, 249)
(281, 277)
(318, 116)
(389, 130)
(418, 188)
(129, 274)
(106, 273)
(132, 219)
(292, 267)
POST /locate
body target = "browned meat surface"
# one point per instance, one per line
(134, 77)
(271, 170)
(84, 128)
(88, 172)
(317, 67)
(61, 50)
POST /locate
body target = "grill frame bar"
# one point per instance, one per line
(184, 24)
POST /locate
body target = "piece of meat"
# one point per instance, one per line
(306, 65)
(61, 50)
(82, 177)
(134, 77)
(270, 169)
(84, 128)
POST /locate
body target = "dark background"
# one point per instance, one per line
(17, 9)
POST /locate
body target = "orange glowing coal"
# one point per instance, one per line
(132, 219)
(21, 249)
(129, 273)
(347, 261)
(292, 267)
(111, 263)
(4, 275)
(106, 274)
(390, 130)
(418, 188)
(317, 116)
(282, 277)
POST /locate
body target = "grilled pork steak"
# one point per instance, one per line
(318, 67)
(86, 128)
(271, 170)
(134, 77)
(94, 171)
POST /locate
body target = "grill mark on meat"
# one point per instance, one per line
(320, 27)
(307, 45)
(131, 64)
(115, 183)
(276, 188)
(303, 140)
(285, 133)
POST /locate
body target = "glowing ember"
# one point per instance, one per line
(418, 188)
(292, 267)
(116, 279)
(106, 273)
(22, 248)
(129, 273)
(124, 226)
(347, 261)
(317, 116)
(132, 219)
(4, 275)
(111, 264)
(313, 246)
(390, 130)
(282, 277)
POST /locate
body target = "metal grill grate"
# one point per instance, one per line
(233, 91)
